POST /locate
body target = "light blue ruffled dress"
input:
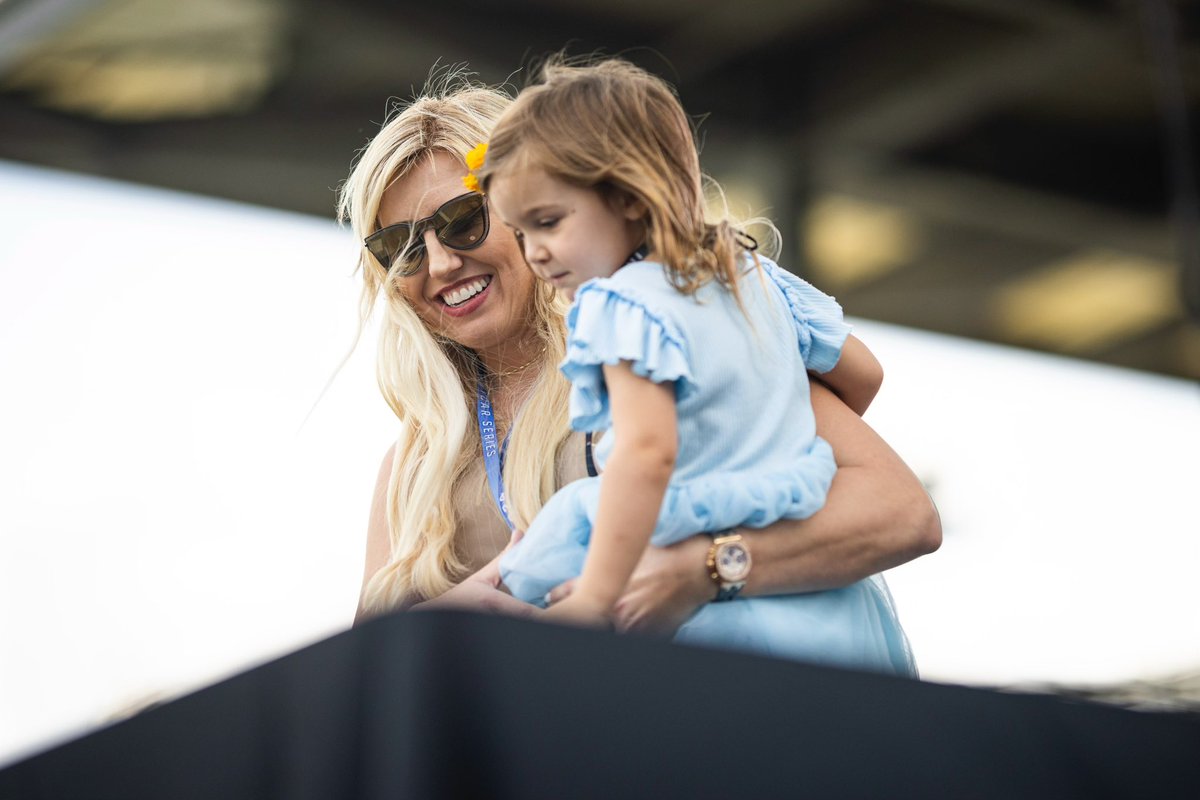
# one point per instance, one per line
(748, 452)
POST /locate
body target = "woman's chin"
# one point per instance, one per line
(486, 328)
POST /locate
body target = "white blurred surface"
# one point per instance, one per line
(1067, 492)
(166, 520)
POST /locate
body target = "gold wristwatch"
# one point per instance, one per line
(728, 563)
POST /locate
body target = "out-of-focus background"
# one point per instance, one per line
(998, 169)
(1002, 193)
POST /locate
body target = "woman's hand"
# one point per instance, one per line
(481, 592)
(668, 586)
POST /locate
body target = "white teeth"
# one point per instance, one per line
(464, 293)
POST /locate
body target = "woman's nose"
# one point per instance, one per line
(442, 259)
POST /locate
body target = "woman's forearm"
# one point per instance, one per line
(873, 522)
(868, 529)
(877, 515)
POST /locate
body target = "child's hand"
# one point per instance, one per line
(580, 611)
(664, 590)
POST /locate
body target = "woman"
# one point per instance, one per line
(468, 326)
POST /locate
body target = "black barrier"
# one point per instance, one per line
(455, 705)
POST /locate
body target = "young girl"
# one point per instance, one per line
(690, 351)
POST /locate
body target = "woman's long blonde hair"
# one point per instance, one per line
(614, 127)
(429, 381)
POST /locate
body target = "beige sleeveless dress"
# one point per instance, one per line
(482, 533)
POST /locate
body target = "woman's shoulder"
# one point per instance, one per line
(386, 465)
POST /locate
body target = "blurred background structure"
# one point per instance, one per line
(174, 296)
(1016, 171)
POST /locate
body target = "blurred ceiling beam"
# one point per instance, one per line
(1045, 14)
(1061, 39)
(707, 39)
(144, 60)
(385, 57)
(960, 91)
(993, 205)
(24, 25)
(1087, 303)
(929, 153)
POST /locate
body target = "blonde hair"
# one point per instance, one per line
(429, 381)
(611, 126)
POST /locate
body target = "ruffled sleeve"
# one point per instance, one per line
(607, 326)
(820, 328)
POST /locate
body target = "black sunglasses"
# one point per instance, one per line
(461, 223)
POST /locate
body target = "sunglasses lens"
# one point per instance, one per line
(408, 252)
(395, 244)
(464, 223)
(461, 223)
(375, 245)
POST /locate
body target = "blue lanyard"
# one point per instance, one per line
(493, 451)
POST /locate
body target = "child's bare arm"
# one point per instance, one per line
(631, 491)
(856, 377)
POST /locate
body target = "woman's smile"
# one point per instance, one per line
(460, 296)
(471, 296)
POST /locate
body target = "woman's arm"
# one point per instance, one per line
(877, 516)
(631, 492)
(856, 377)
(379, 546)
(479, 592)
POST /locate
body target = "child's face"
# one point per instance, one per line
(568, 234)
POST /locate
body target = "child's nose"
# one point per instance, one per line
(535, 253)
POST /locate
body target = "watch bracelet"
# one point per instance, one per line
(728, 592)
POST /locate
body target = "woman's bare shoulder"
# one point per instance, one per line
(385, 466)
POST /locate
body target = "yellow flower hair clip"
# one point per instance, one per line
(474, 161)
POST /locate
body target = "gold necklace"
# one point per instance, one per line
(514, 370)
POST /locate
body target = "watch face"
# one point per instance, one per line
(732, 562)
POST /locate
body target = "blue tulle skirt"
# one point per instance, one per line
(854, 626)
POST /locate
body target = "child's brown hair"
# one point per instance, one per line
(614, 127)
